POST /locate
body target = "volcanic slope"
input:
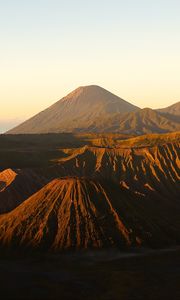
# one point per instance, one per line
(6, 178)
(78, 213)
(16, 186)
(147, 170)
(142, 121)
(77, 111)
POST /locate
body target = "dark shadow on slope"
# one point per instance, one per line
(34, 150)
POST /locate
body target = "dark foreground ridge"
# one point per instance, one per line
(103, 275)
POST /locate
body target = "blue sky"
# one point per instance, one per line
(50, 47)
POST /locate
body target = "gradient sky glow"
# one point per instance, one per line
(50, 47)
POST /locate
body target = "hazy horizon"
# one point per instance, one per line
(8, 124)
(49, 48)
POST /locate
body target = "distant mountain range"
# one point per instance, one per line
(172, 109)
(94, 109)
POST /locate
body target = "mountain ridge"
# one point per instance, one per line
(94, 109)
(173, 109)
(76, 110)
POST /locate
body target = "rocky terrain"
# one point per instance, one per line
(16, 186)
(109, 192)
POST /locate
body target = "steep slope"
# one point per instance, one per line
(148, 121)
(16, 186)
(142, 121)
(73, 213)
(145, 170)
(77, 110)
(66, 213)
(6, 178)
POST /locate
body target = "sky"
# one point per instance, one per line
(50, 47)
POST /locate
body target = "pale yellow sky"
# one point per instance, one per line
(49, 48)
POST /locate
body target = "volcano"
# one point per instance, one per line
(77, 111)
(94, 109)
(104, 197)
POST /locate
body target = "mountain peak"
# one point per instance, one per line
(81, 89)
(91, 91)
(78, 111)
(92, 108)
(91, 86)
